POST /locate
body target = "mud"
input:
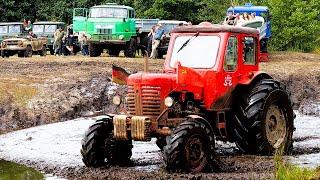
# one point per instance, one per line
(54, 149)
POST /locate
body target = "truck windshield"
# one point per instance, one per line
(108, 13)
(201, 52)
(14, 29)
(38, 28)
(50, 28)
(3, 29)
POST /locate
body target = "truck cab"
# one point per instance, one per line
(47, 29)
(10, 29)
(109, 26)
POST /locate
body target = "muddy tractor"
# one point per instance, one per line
(24, 46)
(211, 89)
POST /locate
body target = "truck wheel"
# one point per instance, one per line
(94, 50)
(43, 51)
(2, 54)
(190, 148)
(98, 145)
(28, 52)
(114, 52)
(131, 48)
(20, 54)
(52, 51)
(264, 119)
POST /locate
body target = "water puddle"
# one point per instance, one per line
(13, 171)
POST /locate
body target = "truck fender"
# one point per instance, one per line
(254, 77)
(203, 120)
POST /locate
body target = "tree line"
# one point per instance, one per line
(295, 23)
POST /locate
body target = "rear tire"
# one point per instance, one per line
(28, 52)
(264, 119)
(94, 50)
(100, 148)
(131, 48)
(190, 148)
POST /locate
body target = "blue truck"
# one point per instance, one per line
(263, 23)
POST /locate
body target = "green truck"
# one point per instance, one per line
(109, 26)
(47, 29)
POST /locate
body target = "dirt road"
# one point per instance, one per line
(54, 148)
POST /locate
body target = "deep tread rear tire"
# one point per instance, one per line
(100, 148)
(250, 121)
(176, 150)
(43, 51)
(131, 48)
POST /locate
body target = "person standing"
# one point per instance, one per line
(69, 42)
(58, 36)
(159, 32)
(84, 45)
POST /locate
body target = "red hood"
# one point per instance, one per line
(153, 79)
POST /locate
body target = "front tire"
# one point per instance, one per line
(264, 119)
(131, 48)
(190, 148)
(43, 51)
(100, 148)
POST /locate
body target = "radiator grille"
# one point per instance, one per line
(144, 101)
(104, 31)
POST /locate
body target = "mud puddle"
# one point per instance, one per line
(54, 148)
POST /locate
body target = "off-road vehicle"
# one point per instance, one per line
(47, 29)
(211, 89)
(24, 46)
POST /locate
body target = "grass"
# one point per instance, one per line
(287, 171)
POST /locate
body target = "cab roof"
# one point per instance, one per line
(113, 6)
(214, 28)
(11, 23)
(48, 22)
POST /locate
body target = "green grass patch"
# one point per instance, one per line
(286, 171)
(17, 94)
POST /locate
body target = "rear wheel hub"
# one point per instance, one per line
(276, 126)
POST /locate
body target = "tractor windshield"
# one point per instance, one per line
(108, 13)
(201, 52)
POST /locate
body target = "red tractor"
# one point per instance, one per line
(211, 89)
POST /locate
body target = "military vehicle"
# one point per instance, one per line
(47, 29)
(24, 46)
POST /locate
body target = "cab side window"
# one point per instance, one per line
(231, 58)
(249, 50)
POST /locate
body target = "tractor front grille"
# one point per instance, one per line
(144, 100)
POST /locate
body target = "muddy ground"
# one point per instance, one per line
(54, 149)
(41, 90)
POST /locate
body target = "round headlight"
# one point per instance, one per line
(168, 101)
(116, 100)
(121, 37)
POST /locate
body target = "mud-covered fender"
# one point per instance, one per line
(254, 77)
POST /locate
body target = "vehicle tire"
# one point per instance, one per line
(114, 52)
(20, 54)
(100, 148)
(52, 51)
(264, 119)
(94, 50)
(43, 51)
(190, 148)
(2, 54)
(131, 48)
(28, 52)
